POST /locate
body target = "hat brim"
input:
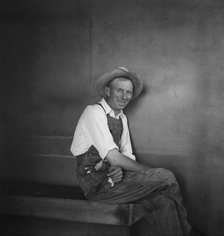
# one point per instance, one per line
(103, 81)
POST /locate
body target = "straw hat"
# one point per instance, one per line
(103, 80)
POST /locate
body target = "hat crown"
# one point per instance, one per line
(123, 68)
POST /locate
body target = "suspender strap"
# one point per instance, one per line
(101, 106)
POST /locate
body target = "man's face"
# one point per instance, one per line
(119, 93)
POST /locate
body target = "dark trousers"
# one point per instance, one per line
(156, 189)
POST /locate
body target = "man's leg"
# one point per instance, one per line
(157, 191)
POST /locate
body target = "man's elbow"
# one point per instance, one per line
(113, 157)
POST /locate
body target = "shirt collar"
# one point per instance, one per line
(108, 109)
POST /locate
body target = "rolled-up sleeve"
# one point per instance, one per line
(97, 131)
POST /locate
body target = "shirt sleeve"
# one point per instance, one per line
(126, 147)
(97, 131)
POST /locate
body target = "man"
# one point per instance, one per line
(107, 169)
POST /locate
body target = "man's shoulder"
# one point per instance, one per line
(124, 117)
(94, 110)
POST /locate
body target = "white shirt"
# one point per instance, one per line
(92, 129)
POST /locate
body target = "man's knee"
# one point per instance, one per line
(167, 175)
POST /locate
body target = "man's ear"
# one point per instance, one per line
(107, 91)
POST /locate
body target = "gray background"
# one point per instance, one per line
(53, 51)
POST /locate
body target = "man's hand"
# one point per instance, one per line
(115, 173)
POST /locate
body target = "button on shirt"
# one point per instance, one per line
(92, 129)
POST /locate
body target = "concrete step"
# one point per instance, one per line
(62, 203)
(48, 145)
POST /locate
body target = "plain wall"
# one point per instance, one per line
(53, 51)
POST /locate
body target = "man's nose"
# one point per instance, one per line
(124, 95)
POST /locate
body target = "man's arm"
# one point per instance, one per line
(115, 158)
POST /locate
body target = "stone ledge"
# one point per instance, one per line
(48, 202)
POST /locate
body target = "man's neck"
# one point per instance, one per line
(115, 112)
